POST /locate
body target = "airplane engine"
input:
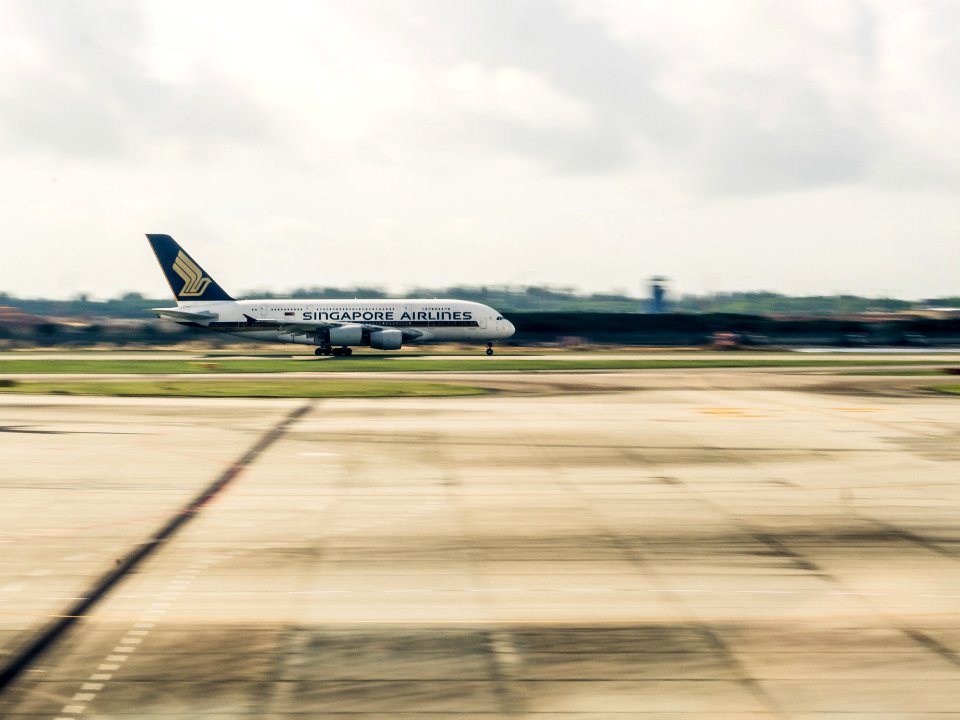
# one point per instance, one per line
(346, 335)
(389, 339)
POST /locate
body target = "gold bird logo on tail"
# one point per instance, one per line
(194, 283)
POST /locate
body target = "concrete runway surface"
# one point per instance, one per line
(675, 545)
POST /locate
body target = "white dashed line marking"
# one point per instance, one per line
(128, 644)
(504, 649)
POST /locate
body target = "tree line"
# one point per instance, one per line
(133, 305)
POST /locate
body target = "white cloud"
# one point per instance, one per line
(862, 89)
(511, 94)
(785, 145)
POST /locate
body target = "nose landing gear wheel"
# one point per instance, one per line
(489, 348)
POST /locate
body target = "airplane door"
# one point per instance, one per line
(483, 322)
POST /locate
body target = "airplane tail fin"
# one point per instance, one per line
(186, 278)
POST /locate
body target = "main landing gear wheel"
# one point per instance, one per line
(342, 352)
(322, 350)
(489, 348)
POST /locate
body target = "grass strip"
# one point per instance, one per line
(946, 389)
(895, 372)
(385, 364)
(272, 388)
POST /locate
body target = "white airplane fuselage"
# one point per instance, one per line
(296, 321)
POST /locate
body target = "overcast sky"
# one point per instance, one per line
(803, 147)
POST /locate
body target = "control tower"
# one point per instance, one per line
(657, 300)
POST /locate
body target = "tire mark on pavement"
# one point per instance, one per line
(20, 661)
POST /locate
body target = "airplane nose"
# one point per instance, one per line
(510, 330)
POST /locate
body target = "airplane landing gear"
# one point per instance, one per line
(336, 352)
(489, 348)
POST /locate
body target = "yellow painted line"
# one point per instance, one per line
(731, 412)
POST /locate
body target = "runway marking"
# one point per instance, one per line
(51, 532)
(152, 619)
(20, 661)
(129, 643)
(504, 649)
(731, 412)
(42, 572)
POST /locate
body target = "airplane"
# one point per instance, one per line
(334, 326)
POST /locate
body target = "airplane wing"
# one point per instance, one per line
(310, 328)
(316, 327)
(183, 315)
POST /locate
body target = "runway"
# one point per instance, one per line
(723, 544)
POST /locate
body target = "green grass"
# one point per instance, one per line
(948, 389)
(368, 363)
(267, 388)
(895, 372)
